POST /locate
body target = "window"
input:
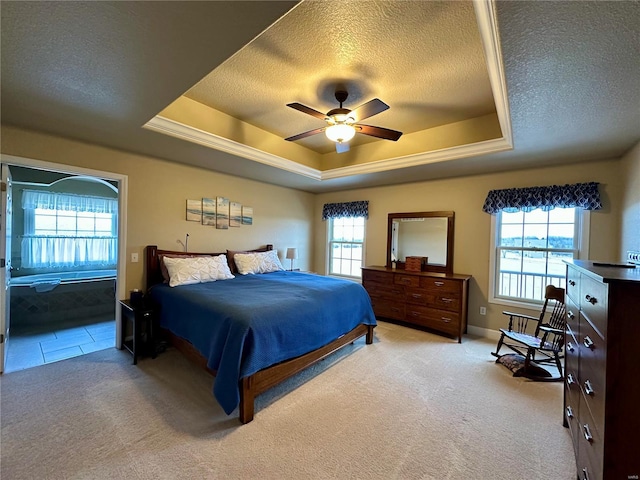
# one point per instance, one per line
(534, 230)
(72, 224)
(529, 251)
(346, 246)
(65, 230)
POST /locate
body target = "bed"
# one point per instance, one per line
(254, 331)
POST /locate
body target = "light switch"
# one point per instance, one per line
(134, 257)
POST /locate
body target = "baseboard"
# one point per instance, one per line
(483, 332)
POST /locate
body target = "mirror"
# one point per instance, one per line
(421, 234)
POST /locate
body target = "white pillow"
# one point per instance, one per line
(259, 262)
(214, 268)
(182, 271)
(189, 270)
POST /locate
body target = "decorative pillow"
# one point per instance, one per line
(261, 262)
(182, 271)
(163, 267)
(231, 259)
(196, 269)
(214, 268)
(515, 363)
(232, 253)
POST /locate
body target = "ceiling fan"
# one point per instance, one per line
(342, 123)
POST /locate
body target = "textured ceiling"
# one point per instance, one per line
(99, 71)
(424, 59)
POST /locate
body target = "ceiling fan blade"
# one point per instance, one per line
(306, 134)
(342, 147)
(379, 132)
(369, 109)
(307, 110)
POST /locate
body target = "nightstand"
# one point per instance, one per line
(138, 329)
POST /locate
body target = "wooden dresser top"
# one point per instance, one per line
(454, 276)
(607, 272)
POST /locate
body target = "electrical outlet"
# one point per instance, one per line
(483, 310)
(134, 257)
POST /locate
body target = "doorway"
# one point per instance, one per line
(57, 307)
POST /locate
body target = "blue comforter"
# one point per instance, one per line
(251, 322)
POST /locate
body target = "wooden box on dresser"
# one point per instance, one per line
(602, 381)
(437, 301)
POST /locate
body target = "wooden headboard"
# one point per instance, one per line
(153, 272)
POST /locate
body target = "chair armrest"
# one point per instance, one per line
(559, 331)
(521, 315)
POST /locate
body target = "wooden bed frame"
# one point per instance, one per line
(255, 384)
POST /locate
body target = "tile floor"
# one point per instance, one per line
(31, 348)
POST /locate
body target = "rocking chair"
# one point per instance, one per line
(544, 344)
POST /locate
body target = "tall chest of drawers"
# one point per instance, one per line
(602, 381)
(437, 301)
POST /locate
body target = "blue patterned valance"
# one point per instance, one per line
(582, 195)
(347, 209)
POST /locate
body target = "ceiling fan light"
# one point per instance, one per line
(340, 132)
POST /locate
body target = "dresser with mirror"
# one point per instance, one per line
(417, 286)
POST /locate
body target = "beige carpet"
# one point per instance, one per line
(411, 406)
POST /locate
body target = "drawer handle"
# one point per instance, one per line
(569, 411)
(588, 388)
(405, 280)
(585, 475)
(572, 283)
(447, 300)
(570, 379)
(591, 300)
(415, 314)
(446, 319)
(416, 295)
(570, 346)
(587, 433)
(395, 309)
(588, 342)
(571, 315)
(438, 284)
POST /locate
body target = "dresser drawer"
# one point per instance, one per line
(374, 276)
(388, 309)
(441, 300)
(590, 446)
(571, 416)
(407, 280)
(573, 284)
(389, 291)
(446, 301)
(443, 321)
(418, 296)
(593, 302)
(573, 316)
(572, 358)
(592, 373)
(440, 284)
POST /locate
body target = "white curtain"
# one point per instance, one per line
(32, 199)
(42, 251)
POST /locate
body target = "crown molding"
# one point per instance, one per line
(191, 134)
(442, 155)
(486, 17)
(195, 135)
